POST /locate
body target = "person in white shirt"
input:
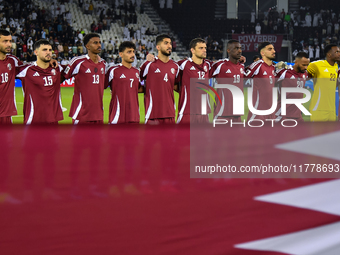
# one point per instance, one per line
(252, 17)
(62, 8)
(311, 52)
(315, 20)
(161, 4)
(143, 29)
(169, 4)
(308, 19)
(317, 52)
(34, 15)
(258, 29)
(80, 36)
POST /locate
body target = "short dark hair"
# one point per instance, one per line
(230, 42)
(329, 47)
(161, 37)
(263, 45)
(89, 36)
(194, 42)
(126, 44)
(301, 54)
(40, 42)
(4, 32)
(256, 57)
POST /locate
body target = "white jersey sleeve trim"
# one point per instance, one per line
(218, 69)
(177, 69)
(23, 73)
(30, 117)
(75, 115)
(76, 70)
(146, 71)
(182, 66)
(283, 75)
(16, 62)
(116, 118)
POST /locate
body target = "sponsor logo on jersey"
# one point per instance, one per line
(88, 71)
(157, 71)
(122, 76)
(228, 71)
(326, 70)
(102, 70)
(205, 69)
(67, 69)
(292, 78)
(173, 70)
(9, 66)
(264, 73)
(36, 74)
(192, 68)
(53, 72)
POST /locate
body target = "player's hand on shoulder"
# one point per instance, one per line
(150, 57)
(242, 59)
(54, 63)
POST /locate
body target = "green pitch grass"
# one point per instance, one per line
(67, 94)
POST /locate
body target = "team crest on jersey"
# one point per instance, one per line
(137, 75)
(273, 72)
(173, 70)
(241, 70)
(9, 66)
(205, 69)
(304, 77)
(102, 70)
(53, 72)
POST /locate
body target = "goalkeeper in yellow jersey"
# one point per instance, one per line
(324, 74)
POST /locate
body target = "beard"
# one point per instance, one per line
(5, 51)
(46, 60)
(166, 53)
(272, 58)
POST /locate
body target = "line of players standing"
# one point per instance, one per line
(161, 76)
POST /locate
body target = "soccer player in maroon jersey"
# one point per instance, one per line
(160, 79)
(194, 69)
(89, 73)
(294, 77)
(8, 64)
(228, 71)
(124, 82)
(41, 86)
(263, 74)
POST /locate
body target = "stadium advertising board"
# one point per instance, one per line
(250, 42)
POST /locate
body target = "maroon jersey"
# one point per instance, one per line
(160, 79)
(263, 82)
(42, 99)
(7, 84)
(191, 72)
(87, 102)
(227, 72)
(290, 78)
(124, 83)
